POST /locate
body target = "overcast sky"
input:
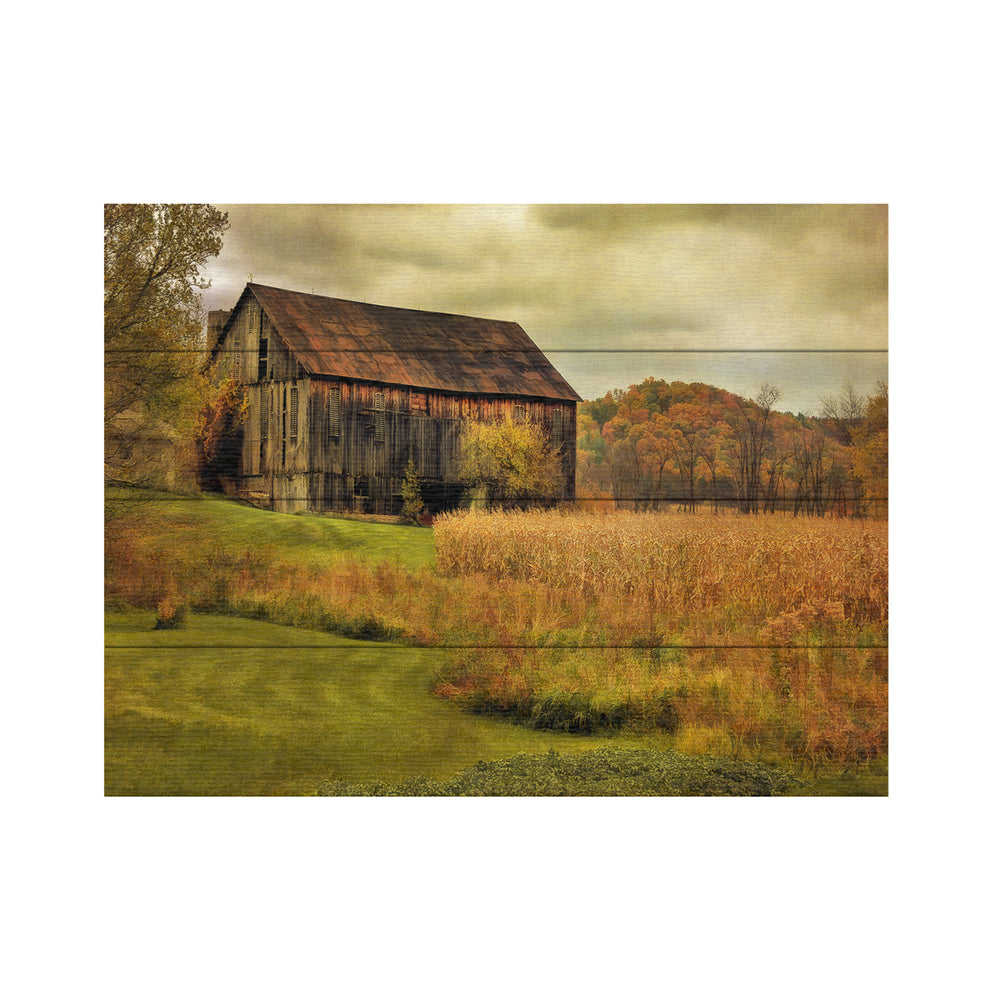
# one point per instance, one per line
(731, 295)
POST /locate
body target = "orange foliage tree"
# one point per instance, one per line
(219, 440)
(658, 443)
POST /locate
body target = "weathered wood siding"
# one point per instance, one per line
(323, 444)
(252, 346)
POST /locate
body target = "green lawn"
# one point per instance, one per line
(188, 712)
(230, 706)
(304, 539)
(193, 712)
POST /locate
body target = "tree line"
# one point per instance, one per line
(661, 444)
(647, 446)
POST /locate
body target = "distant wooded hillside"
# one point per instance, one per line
(661, 443)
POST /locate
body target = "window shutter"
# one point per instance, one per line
(334, 411)
(262, 359)
(379, 416)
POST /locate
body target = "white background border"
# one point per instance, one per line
(202, 898)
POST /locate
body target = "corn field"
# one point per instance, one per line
(761, 635)
(764, 566)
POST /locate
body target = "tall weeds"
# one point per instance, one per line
(758, 637)
(771, 631)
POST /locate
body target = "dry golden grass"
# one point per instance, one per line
(761, 566)
(770, 630)
(767, 633)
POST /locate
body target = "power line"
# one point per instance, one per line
(433, 351)
(483, 646)
(667, 499)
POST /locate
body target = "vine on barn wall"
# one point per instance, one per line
(220, 435)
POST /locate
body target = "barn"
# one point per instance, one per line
(342, 395)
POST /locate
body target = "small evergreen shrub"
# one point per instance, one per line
(413, 501)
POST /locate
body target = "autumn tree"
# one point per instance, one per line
(809, 471)
(688, 422)
(655, 448)
(602, 410)
(219, 437)
(819, 468)
(748, 420)
(845, 411)
(712, 444)
(676, 440)
(655, 441)
(622, 435)
(510, 464)
(153, 256)
(775, 467)
(591, 469)
(871, 451)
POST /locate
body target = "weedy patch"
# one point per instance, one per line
(772, 630)
(604, 772)
(171, 612)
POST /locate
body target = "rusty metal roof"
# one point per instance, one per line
(424, 350)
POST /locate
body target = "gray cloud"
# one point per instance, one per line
(591, 277)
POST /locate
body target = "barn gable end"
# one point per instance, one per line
(342, 395)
